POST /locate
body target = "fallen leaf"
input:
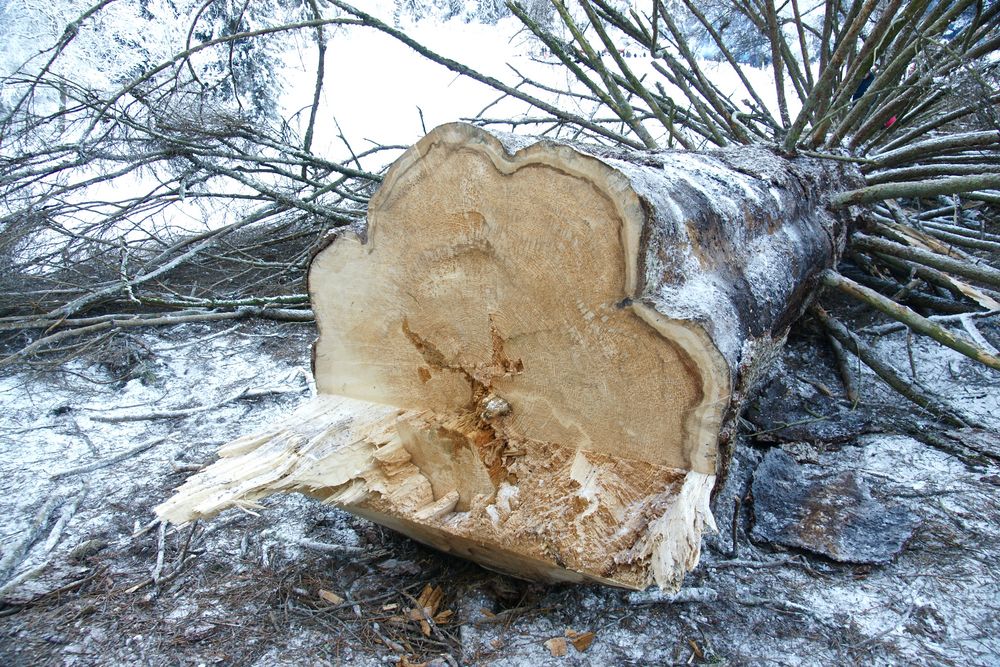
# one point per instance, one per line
(556, 646)
(330, 597)
(697, 651)
(581, 640)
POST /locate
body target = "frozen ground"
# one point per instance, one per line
(242, 589)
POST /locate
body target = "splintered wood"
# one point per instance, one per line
(530, 508)
(528, 354)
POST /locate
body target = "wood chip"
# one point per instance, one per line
(557, 647)
(430, 599)
(330, 597)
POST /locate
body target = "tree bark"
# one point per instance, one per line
(534, 352)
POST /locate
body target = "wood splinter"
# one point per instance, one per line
(530, 353)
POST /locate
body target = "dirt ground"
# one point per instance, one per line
(96, 582)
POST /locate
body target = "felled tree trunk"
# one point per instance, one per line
(534, 353)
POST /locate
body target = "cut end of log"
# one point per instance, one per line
(527, 356)
(486, 273)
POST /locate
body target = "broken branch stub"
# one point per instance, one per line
(530, 354)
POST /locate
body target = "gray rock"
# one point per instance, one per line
(833, 515)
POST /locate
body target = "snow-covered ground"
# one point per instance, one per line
(240, 589)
